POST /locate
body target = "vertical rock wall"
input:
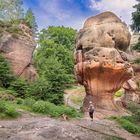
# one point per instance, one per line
(18, 49)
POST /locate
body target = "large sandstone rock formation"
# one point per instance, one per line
(101, 64)
(18, 48)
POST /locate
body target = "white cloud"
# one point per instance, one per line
(123, 8)
(52, 13)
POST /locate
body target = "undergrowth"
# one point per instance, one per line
(130, 123)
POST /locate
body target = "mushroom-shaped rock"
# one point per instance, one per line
(101, 64)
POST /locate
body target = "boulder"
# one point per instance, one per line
(18, 49)
(101, 64)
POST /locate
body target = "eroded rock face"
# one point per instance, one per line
(131, 94)
(18, 51)
(101, 64)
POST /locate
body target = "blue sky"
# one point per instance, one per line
(73, 13)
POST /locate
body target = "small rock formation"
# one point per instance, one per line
(101, 64)
(17, 47)
(131, 94)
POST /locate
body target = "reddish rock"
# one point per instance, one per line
(101, 64)
(18, 50)
(131, 93)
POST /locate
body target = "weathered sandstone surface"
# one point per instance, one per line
(101, 64)
(131, 93)
(18, 50)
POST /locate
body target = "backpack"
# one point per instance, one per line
(91, 109)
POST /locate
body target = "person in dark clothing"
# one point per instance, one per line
(91, 110)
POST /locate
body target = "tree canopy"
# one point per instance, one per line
(11, 10)
(30, 20)
(54, 60)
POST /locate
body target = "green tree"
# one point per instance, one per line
(54, 60)
(30, 20)
(51, 84)
(60, 35)
(6, 76)
(59, 42)
(136, 18)
(11, 9)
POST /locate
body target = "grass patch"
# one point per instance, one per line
(129, 126)
(77, 94)
(114, 138)
(130, 123)
(77, 99)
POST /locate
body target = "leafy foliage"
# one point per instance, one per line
(11, 9)
(137, 46)
(20, 86)
(6, 76)
(59, 35)
(119, 93)
(54, 61)
(130, 123)
(129, 126)
(53, 110)
(136, 18)
(7, 110)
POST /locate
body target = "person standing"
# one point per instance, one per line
(91, 110)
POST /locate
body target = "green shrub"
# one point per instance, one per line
(6, 76)
(53, 110)
(20, 86)
(119, 93)
(130, 123)
(130, 127)
(7, 110)
(19, 101)
(2, 106)
(11, 111)
(40, 107)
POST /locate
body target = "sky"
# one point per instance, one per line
(73, 13)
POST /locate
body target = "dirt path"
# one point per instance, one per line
(32, 127)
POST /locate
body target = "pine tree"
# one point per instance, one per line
(30, 20)
(136, 18)
(11, 9)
